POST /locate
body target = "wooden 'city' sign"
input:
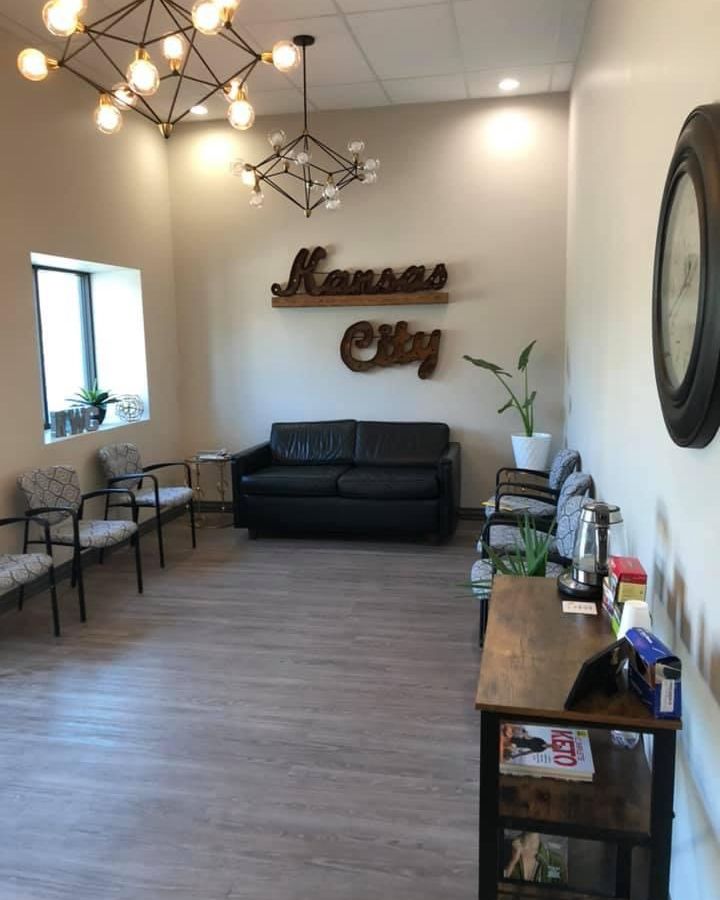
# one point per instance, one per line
(361, 288)
(394, 347)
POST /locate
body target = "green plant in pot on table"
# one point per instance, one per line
(531, 449)
(97, 399)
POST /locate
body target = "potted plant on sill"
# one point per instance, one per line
(96, 399)
(531, 449)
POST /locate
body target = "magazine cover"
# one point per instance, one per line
(546, 751)
(539, 858)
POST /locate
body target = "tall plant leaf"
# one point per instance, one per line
(484, 364)
(525, 356)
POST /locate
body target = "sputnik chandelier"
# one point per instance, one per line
(305, 170)
(121, 45)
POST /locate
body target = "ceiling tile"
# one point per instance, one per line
(533, 80)
(335, 57)
(562, 76)
(348, 96)
(403, 43)
(268, 103)
(497, 33)
(281, 10)
(426, 90)
(572, 28)
(350, 6)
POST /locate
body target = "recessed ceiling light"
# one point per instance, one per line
(509, 84)
(199, 110)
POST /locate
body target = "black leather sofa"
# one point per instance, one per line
(350, 477)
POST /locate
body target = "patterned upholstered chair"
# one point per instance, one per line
(122, 465)
(55, 494)
(527, 491)
(20, 569)
(503, 535)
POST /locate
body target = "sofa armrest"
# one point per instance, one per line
(243, 463)
(449, 474)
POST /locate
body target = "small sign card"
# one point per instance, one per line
(583, 607)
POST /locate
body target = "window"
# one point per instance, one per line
(90, 329)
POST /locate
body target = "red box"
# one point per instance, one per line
(628, 568)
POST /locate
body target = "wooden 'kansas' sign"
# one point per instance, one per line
(361, 288)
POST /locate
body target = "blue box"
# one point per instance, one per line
(655, 674)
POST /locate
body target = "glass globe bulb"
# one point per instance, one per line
(59, 19)
(330, 191)
(228, 8)
(371, 165)
(244, 171)
(142, 75)
(108, 118)
(207, 16)
(122, 96)
(257, 198)
(241, 114)
(303, 157)
(33, 64)
(332, 204)
(285, 56)
(356, 147)
(369, 178)
(277, 139)
(174, 50)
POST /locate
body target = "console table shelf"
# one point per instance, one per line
(533, 653)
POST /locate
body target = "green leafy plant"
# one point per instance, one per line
(525, 406)
(527, 559)
(92, 396)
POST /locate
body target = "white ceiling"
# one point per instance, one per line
(379, 52)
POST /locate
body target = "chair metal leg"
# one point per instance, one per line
(54, 602)
(138, 561)
(101, 554)
(73, 570)
(77, 570)
(158, 525)
(192, 523)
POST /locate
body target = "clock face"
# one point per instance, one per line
(680, 280)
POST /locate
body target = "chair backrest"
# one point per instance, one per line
(573, 494)
(53, 486)
(564, 464)
(120, 459)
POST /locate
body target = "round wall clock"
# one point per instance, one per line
(686, 284)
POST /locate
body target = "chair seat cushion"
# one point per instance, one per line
(389, 483)
(294, 481)
(95, 532)
(169, 496)
(22, 568)
(515, 503)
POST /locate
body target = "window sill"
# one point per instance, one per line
(106, 426)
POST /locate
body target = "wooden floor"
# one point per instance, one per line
(272, 720)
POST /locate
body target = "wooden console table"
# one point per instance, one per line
(533, 653)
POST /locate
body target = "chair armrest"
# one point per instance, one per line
(507, 472)
(27, 521)
(167, 465)
(529, 492)
(107, 492)
(251, 460)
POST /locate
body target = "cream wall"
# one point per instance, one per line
(451, 190)
(69, 191)
(644, 66)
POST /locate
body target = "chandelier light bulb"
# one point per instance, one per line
(122, 96)
(108, 118)
(332, 204)
(59, 19)
(371, 165)
(257, 198)
(174, 50)
(356, 147)
(330, 191)
(276, 139)
(142, 74)
(244, 171)
(33, 64)
(228, 8)
(207, 16)
(303, 157)
(369, 178)
(241, 114)
(285, 56)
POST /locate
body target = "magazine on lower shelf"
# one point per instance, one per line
(532, 857)
(546, 751)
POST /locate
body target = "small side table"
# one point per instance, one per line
(221, 486)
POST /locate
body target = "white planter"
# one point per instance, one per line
(531, 452)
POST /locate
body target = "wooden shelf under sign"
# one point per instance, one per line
(304, 300)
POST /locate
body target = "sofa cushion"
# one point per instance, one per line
(294, 481)
(400, 443)
(389, 483)
(313, 443)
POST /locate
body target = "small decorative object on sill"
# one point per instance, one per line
(394, 347)
(78, 420)
(94, 398)
(130, 407)
(360, 288)
(531, 449)
(59, 423)
(601, 533)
